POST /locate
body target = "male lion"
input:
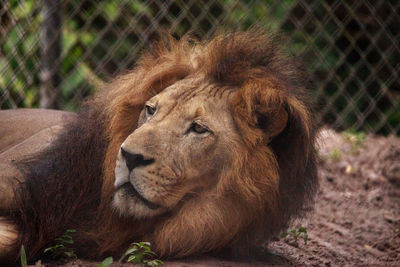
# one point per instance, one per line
(203, 146)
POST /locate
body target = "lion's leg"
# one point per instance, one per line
(10, 176)
(9, 179)
(8, 236)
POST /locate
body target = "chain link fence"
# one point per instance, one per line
(54, 53)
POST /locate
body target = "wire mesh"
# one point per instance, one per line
(351, 48)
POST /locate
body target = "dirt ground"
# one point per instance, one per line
(356, 220)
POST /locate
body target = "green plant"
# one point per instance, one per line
(62, 249)
(141, 253)
(336, 154)
(24, 262)
(296, 234)
(106, 262)
(355, 139)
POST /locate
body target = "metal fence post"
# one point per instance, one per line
(50, 53)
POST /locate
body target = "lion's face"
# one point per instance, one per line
(178, 150)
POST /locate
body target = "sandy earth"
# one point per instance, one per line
(356, 220)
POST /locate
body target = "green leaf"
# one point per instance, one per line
(134, 259)
(147, 244)
(24, 262)
(69, 254)
(107, 262)
(60, 250)
(302, 229)
(87, 38)
(154, 263)
(131, 250)
(68, 240)
(283, 235)
(24, 9)
(70, 38)
(305, 238)
(111, 10)
(141, 253)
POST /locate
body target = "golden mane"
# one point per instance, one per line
(271, 180)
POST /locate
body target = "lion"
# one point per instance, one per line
(205, 146)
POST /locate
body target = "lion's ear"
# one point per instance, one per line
(260, 105)
(272, 123)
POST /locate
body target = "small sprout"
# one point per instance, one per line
(296, 233)
(141, 253)
(62, 248)
(303, 231)
(154, 263)
(355, 139)
(24, 262)
(336, 154)
(106, 262)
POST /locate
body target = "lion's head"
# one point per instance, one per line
(212, 142)
(203, 146)
(186, 136)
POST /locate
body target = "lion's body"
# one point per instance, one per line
(18, 125)
(24, 132)
(201, 147)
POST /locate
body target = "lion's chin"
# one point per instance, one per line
(128, 203)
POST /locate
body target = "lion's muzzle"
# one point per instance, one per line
(132, 161)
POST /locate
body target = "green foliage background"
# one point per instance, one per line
(103, 38)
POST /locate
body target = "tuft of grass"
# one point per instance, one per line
(336, 154)
(141, 253)
(62, 249)
(355, 139)
(106, 262)
(296, 234)
(24, 262)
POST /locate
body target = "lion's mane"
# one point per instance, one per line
(70, 185)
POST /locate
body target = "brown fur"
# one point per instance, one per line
(271, 179)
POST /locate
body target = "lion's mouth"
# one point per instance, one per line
(130, 190)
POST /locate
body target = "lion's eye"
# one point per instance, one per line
(197, 128)
(150, 110)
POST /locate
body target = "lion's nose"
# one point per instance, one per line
(135, 160)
